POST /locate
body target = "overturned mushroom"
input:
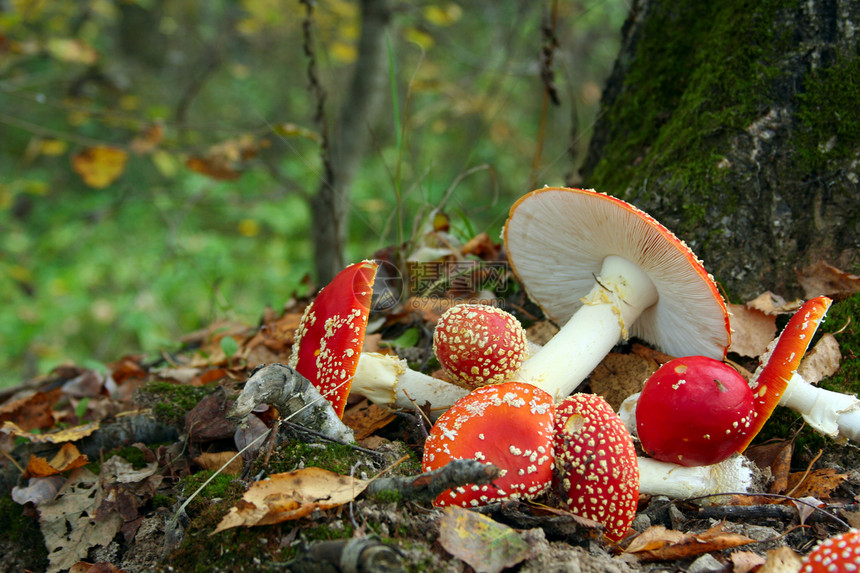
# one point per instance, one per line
(605, 271)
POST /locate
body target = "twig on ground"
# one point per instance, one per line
(427, 486)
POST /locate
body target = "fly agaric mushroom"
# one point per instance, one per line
(776, 381)
(694, 411)
(331, 332)
(605, 271)
(837, 554)
(596, 470)
(736, 474)
(327, 350)
(479, 344)
(509, 425)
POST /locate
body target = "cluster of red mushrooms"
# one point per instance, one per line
(612, 274)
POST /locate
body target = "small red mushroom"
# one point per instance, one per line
(509, 425)
(479, 344)
(838, 554)
(596, 473)
(694, 411)
(330, 335)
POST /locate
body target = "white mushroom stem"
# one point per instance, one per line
(620, 294)
(831, 413)
(660, 478)
(388, 380)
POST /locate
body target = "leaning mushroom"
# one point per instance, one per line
(478, 344)
(509, 425)
(694, 411)
(596, 472)
(605, 271)
(776, 380)
(330, 334)
(327, 350)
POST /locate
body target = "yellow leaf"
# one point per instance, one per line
(291, 495)
(68, 458)
(99, 166)
(249, 228)
(484, 544)
(53, 147)
(342, 52)
(419, 37)
(67, 435)
(444, 15)
(72, 50)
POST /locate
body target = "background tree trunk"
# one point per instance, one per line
(735, 124)
(348, 142)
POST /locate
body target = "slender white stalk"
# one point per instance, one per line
(622, 292)
(660, 478)
(388, 380)
(831, 413)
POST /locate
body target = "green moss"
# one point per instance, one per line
(132, 455)
(170, 402)
(222, 486)
(388, 496)
(843, 320)
(829, 129)
(21, 540)
(690, 83)
(336, 458)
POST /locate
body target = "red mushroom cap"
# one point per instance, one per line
(694, 411)
(478, 344)
(838, 554)
(782, 359)
(509, 425)
(331, 333)
(596, 472)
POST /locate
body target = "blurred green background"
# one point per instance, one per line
(100, 259)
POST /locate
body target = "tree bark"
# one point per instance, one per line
(330, 205)
(733, 123)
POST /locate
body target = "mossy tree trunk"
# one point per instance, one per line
(736, 125)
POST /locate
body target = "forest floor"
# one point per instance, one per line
(106, 464)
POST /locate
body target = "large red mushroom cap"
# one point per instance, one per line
(838, 554)
(509, 425)
(782, 359)
(331, 333)
(558, 238)
(596, 471)
(694, 411)
(478, 344)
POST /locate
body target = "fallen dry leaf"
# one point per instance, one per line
(68, 458)
(781, 560)
(486, 545)
(819, 483)
(806, 506)
(752, 330)
(68, 523)
(67, 435)
(291, 495)
(822, 361)
(366, 417)
(149, 139)
(660, 544)
(745, 561)
(824, 279)
(100, 567)
(215, 461)
(770, 303)
(775, 455)
(99, 166)
(31, 411)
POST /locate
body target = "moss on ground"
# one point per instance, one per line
(337, 458)
(171, 401)
(21, 540)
